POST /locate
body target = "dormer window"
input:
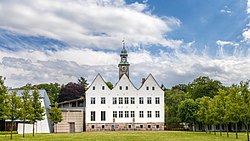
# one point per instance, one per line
(103, 87)
(93, 87)
(147, 88)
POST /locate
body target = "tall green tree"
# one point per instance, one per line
(219, 108)
(245, 111)
(26, 109)
(233, 107)
(37, 111)
(3, 103)
(14, 109)
(187, 112)
(204, 111)
(55, 115)
(173, 97)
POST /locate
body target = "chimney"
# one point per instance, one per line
(142, 81)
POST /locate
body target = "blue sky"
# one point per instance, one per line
(47, 41)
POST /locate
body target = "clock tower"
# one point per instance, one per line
(123, 65)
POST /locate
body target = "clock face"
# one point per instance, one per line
(123, 60)
(124, 68)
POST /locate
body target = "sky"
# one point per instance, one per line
(46, 41)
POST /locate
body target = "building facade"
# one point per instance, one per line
(124, 107)
(73, 115)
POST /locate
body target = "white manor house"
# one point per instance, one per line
(124, 107)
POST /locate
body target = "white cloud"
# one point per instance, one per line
(88, 23)
(223, 43)
(169, 68)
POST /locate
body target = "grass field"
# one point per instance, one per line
(126, 136)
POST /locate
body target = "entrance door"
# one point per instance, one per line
(72, 127)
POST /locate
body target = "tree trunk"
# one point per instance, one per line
(214, 130)
(11, 128)
(204, 126)
(33, 129)
(227, 131)
(24, 126)
(220, 130)
(236, 132)
(247, 132)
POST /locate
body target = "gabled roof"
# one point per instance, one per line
(125, 76)
(150, 76)
(98, 76)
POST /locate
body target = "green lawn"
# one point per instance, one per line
(127, 136)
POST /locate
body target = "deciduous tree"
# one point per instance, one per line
(55, 115)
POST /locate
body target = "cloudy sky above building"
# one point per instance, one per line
(46, 41)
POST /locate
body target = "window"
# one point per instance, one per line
(126, 87)
(120, 100)
(114, 100)
(93, 126)
(126, 100)
(149, 126)
(103, 87)
(92, 101)
(141, 114)
(153, 88)
(157, 114)
(141, 126)
(92, 115)
(157, 100)
(103, 126)
(149, 114)
(132, 100)
(132, 114)
(157, 126)
(147, 88)
(149, 100)
(120, 114)
(140, 100)
(120, 87)
(93, 87)
(114, 114)
(102, 100)
(103, 115)
(126, 114)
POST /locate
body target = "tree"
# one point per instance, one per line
(55, 115)
(26, 109)
(14, 107)
(37, 112)
(233, 106)
(203, 86)
(83, 82)
(245, 108)
(173, 98)
(219, 108)
(110, 85)
(187, 111)
(204, 111)
(3, 103)
(71, 91)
